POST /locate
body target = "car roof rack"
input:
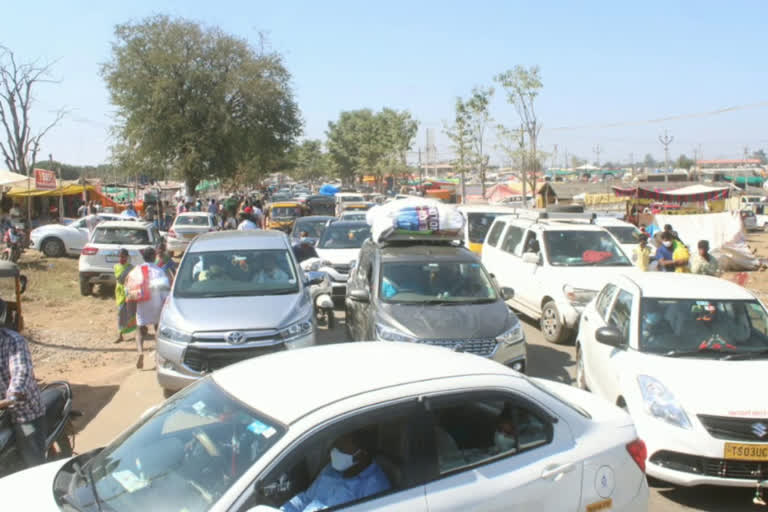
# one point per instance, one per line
(416, 239)
(545, 216)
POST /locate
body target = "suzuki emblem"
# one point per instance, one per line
(759, 429)
(235, 338)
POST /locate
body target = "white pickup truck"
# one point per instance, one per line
(555, 267)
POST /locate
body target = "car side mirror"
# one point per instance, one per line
(610, 336)
(531, 257)
(360, 295)
(507, 293)
(315, 278)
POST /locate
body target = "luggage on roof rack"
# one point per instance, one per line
(415, 220)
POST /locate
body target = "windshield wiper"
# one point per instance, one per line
(87, 475)
(685, 353)
(747, 354)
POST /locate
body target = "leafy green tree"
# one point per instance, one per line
(649, 161)
(197, 101)
(523, 86)
(760, 155)
(460, 135)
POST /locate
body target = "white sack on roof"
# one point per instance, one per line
(413, 216)
(724, 232)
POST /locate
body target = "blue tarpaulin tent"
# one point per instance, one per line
(328, 190)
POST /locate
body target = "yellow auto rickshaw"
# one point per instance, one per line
(12, 286)
(281, 215)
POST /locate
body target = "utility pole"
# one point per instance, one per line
(632, 164)
(523, 170)
(746, 153)
(597, 150)
(666, 140)
(567, 165)
(554, 156)
(421, 175)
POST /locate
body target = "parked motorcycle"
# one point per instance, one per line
(321, 293)
(57, 401)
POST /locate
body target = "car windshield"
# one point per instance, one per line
(235, 273)
(691, 325)
(345, 237)
(192, 220)
(285, 211)
(624, 234)
(352, 199)
(478, 224)
(583, 248)
(120, 236)
(313, 227)
(184, 456)
(446, 281)
(353, 217)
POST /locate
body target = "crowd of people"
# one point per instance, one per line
(671, 254)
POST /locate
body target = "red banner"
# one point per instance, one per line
(45, 180)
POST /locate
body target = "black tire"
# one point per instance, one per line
(86, 288)
(52, 247)
(565, 208)
(551, 326)
(331, 319)
(581, 379)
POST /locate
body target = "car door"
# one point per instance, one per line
(393, 433)
(594, 316)
(490, 253)
(527, 275)
(76, 236)
(539, 471)
(358, 312)
(605, 358)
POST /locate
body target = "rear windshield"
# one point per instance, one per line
(351, 199)
(478, 224)
(345, 237)
(121, 236)
(192, 220)
(285, 211)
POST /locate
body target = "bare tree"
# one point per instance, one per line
(479, 119)
(522, 86)
(20, 144)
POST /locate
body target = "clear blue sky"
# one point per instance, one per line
(602, 63)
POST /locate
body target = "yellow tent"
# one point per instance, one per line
(66, 190)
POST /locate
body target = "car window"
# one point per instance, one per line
(121, 236)
(382, 440)
(478, 224)
(604, 300)
(79, 224)
(474, 430)
(350, 236)
(493, 236)
(419, 282)
(512, 240)
(192, 220)
(569, 248)
(622, 313)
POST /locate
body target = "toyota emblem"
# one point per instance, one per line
(235, 338)
(759, 429)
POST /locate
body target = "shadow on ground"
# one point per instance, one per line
(710, 498)
(89, 400)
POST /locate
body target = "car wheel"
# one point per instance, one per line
(53, 247)
(581, 378)
(331, 319)
(552, 326)
(86, 288)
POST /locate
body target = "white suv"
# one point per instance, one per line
(98, 257)
(555, 267)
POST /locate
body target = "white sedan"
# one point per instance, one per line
(186, 226)
(686, 356)
(56, 240)
(358, 426)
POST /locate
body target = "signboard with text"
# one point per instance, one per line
(45, 180)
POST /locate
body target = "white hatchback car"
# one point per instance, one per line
(56, 240)
(420, 421)
(686, 355)
(98, 257)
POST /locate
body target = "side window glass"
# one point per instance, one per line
(531, 244)
(311, 476)
(512, 240)
(605, 300)
(621, 313)
(493, 236)
(474, 431)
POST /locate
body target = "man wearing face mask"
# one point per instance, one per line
(352, 475)
(664, 253)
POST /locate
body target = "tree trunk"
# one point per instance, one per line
(191, 184)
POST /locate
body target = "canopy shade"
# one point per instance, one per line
(690, 194)
(10, 178)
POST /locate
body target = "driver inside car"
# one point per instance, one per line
(351, 476)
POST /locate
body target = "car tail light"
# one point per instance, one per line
(638, 452)
(172, 233)
(89, 250)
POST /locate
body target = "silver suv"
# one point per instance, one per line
(237, 295)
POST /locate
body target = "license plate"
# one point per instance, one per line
(740, 451)
(600, 505)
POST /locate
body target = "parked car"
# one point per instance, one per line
(479, 219)
(347, 198)
(314, 225)
(56, 240)
(340, 246)
(428, 418)
(750, 220)
(237, 294)
(187, 226)
(682, 354)
(353, 216)
(625, 233)
(434, 294)
(98, 257)
(555, 267)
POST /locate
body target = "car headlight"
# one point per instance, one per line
(297, 330)
(578, 296)
(661, 403)
(384, 333)
(513, 335)
(172, 334)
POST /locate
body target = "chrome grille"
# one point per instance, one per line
(482, 347)
(720, 468)
(207, 360)
(736, 429)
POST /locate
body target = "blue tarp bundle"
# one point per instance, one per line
(328, 190)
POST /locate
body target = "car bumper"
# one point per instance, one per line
(174, 244)
(570, 313)
(690, 457)
(173, 374)
(95, 277)
(514, 356)
(34, 242)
